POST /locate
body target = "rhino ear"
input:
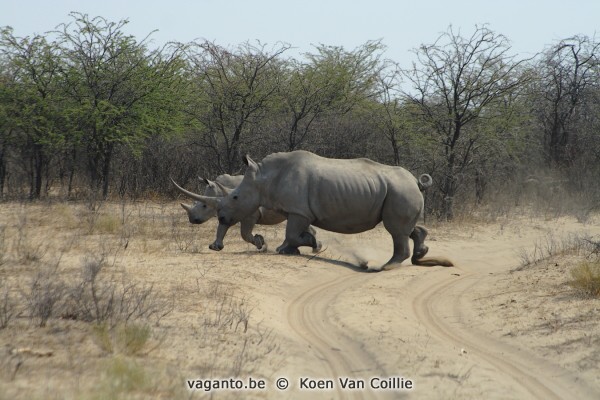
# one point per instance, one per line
(252, 166)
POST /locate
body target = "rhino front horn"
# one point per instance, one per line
(209, 201)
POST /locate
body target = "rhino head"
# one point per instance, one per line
(243, 200)
(204, 208)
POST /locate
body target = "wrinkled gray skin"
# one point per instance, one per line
(201, 211)
(344, 196)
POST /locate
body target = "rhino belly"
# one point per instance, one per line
(349, 224)
(351, 210)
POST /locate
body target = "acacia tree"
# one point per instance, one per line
(395, 119)
(304, 99)
(35, 102)
(332, 80)
(456, 82)
(122, 90)
(233, 92)
(569, 75)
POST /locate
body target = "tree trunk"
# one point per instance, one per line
(71, 172)
(106, 169)
(449, 191)
(2, 170)
(395, 149)
(449, 187)
(38, 160)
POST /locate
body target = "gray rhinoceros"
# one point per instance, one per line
(200, 212)
(204, 209)
(344, 196)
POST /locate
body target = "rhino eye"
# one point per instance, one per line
(204, 206)
(235, 197)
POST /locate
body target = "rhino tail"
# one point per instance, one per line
(424, 181)
(433, 261)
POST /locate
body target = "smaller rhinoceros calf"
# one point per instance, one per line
(204, 209)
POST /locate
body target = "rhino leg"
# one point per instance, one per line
(281, 246)
(419, 249)
(310, 230)
(401, 252)
(246, 227)
(296, 235)
(400, 229)
(218, 243)
(318, 244)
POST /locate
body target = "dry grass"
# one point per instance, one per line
(128, 339)
(91, 292)
(586, 272)
(125, 378)
(586, 278)
(551, 246)
(8, 305)
(548, 309)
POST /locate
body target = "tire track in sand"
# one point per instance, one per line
(445, 296)
(340, 356)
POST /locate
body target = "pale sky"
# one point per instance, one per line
(401, 25)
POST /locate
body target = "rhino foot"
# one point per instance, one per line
(215, 246)
(318, 247)
(259, 242)
(418, 254)
(289, 250)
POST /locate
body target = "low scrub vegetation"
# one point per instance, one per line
(128, 339)
(551, 246)
(586, 278)
(582, 251)
(83, 304)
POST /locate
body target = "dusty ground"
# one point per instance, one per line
(483, 329)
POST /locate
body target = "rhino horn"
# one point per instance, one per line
(186, 207)
(224, 190)
(204, 180)
(209, 201)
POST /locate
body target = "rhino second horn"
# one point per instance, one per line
(224, 190)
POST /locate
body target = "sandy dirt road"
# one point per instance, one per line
(420, 323)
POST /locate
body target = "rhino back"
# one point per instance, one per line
(229, 181)
(344, 196)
